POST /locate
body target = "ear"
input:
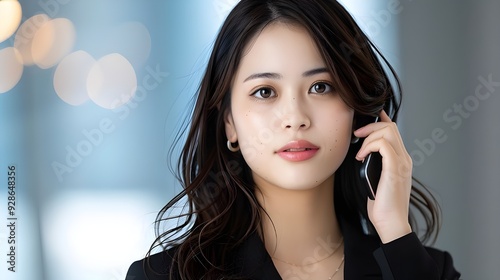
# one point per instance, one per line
(230, 128)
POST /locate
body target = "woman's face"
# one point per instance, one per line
(292, 126)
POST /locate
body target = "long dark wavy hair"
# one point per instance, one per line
(221, 209)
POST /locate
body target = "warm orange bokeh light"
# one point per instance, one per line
(24, 37)
(52, 42)
(10, 18)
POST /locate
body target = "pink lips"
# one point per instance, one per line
(299, 150)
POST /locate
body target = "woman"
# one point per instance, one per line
(271, 161)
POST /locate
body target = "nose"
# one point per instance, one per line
(294, 116)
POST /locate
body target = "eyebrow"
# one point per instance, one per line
(266, 75)
(315, 72)
(276, 76)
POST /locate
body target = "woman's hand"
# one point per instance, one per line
(389, 211)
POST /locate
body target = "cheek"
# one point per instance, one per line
(338, 143)
(337, 132)
(341, 131)
(254, 134)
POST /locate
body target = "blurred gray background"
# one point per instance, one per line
(448, 49)
(91, 179)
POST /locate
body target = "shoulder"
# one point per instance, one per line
(406, 258)
(154, 267)
(444, 262)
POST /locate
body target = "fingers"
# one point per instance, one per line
(367, 129)
(378, 133)
(389, 211)
(381, 145)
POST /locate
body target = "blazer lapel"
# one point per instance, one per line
(252, 261)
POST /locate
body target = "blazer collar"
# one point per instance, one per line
(252, 261)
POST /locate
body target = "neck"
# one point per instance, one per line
(300, 225)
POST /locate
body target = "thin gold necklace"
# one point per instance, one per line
(337, 270)
(341, 241)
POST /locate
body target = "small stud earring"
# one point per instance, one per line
(231, 147)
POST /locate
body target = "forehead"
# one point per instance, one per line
(281, 48)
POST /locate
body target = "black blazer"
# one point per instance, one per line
(365, 258)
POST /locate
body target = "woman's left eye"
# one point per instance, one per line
(321, 88)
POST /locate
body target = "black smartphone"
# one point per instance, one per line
(370, 172)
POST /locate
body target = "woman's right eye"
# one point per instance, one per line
(264, 93)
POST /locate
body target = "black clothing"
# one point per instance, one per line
(365, 258)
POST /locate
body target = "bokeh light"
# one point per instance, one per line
(10, 18)
(11, 68)
(112, 81)
(52, 42)
(70, 77)
(94, 230)
(23, 40)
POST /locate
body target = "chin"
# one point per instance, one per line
(299, 181)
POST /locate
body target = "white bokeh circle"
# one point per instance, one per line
(11, 68)
(112, 81)
(70, 77)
